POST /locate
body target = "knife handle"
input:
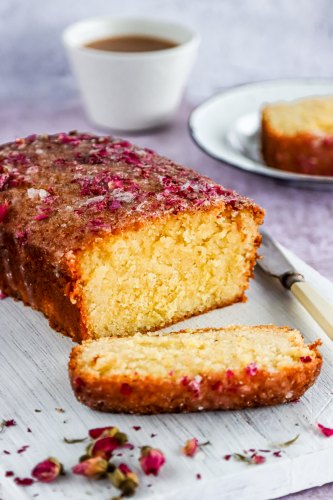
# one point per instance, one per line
(320, 309)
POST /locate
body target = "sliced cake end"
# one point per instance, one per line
(192, 370)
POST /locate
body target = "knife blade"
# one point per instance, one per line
(274, 263)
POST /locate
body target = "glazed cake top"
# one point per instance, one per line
(60, 191)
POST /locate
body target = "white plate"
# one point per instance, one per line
(227, 126)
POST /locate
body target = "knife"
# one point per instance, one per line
(274, 263)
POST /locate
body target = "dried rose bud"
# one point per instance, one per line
(103, 432)
(3, 210)
(95, 466)
(116, 476)
(151, 460)
(123, 478)
(105, 446)
(327, 431)
(191, 447)
(121, 438)
(129, 473)
(129, 486)
(48, 470)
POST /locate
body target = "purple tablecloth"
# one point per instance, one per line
(300, 219)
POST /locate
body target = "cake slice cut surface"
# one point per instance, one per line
(228, 368)
(107, 238)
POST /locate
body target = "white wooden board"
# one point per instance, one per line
(33, 375)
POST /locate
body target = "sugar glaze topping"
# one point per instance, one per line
(85, 185)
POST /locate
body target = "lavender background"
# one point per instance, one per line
(243, 40)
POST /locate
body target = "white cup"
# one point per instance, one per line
(130, 90)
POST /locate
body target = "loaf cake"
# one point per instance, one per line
(106, 238)
(298, 136)
(192, 370)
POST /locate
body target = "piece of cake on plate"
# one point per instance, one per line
(297, 136)
(106, 238)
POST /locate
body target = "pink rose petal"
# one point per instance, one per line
(326, 431)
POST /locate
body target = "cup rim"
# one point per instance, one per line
(194, 37)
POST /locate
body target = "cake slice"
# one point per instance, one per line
(297, 136)
(107, 239)
(192, 370)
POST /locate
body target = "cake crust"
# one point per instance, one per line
(62, 194)
(152, 394)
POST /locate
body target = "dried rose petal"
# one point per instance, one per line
(105, 431)
(198, 476)
(129, 446)
(230, 373)
(277, 453)
(251, 369)
(3, 210)
(70, 139)
(126, 389)
(191, 447)
(22, 235)
(9, 423)
(95, 466)
(306, 359)
(26, 481)
(23, 448)
(47, 471)
(217, 386)
(104, 447)
(31, 138)
(326, 431)
(125, 469)
(195, 385)
(9, 473)
(136, 427)
(227, 457)
(151, 460)
(42, 216)
(258, 459)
